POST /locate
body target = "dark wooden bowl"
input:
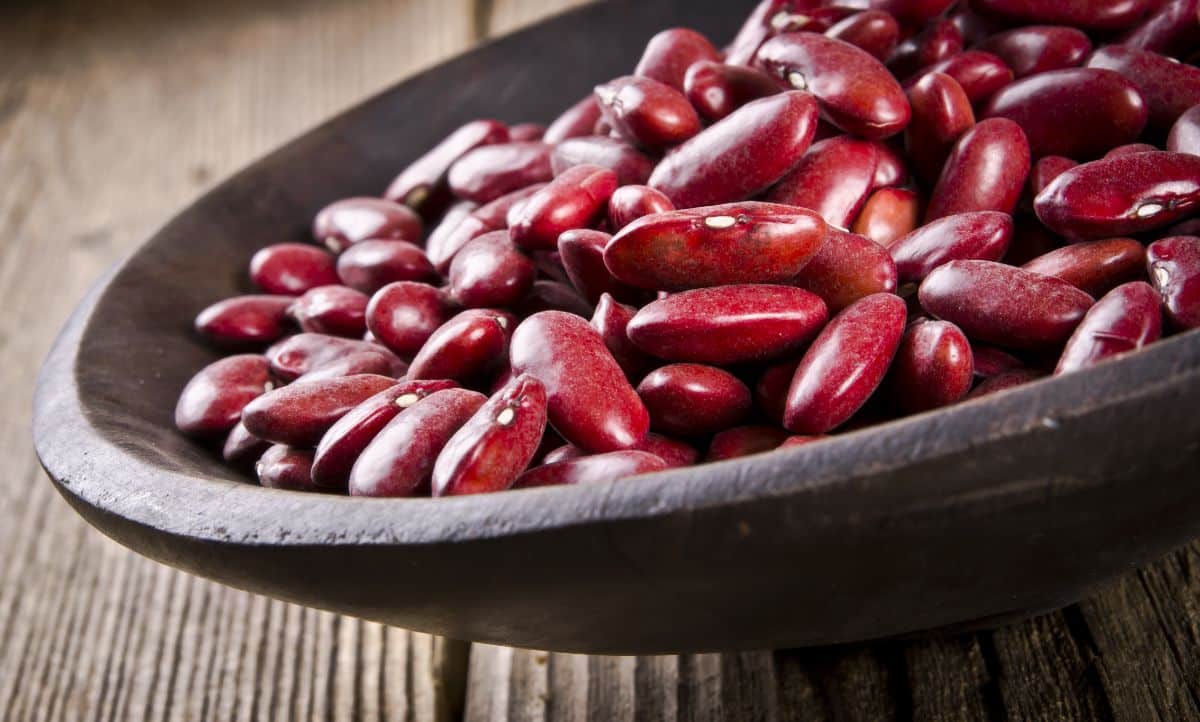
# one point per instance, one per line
(983, 512)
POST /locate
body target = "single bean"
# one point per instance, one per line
(874, 31)
(716, 89)
(888, 214)
(979, 74)
(937, 41)
(941, 113)
(610, 321)
(647, 113)
(305, 353)
(449, 234)
(282, 467)
(1004, 381)
(670, 53)
(890, 168)
(582, 254)
(292, 268)
(986, 171)
(467, 348)
(371, 265)
(933, 367)
(1174, 267)
(335, 310)
(693, 399)
(593, 469)
(846, 268)
(552, 296)
(1125, 319)
(341, 224)
(768, 19)
(672, 451)
(631, 165)
(566, 452)
(575, 121)
(493, 216)
(489, 172)
(212, 401)
(744, 441)
(989, 361)
(490, 272)
(1168, 86)
(979, 235)
(629, 203)
(833, 178)
(1036, 49)
(425, 180)
(403, 315)
(527, 131)
(770, 390)
(1046, 169)
(244, 321)
(1171, 29)
(241, 448)
(1185, 133)
(381, 362)
(1085, 14)
(300, 413)
(574, 199)
(1095, 267)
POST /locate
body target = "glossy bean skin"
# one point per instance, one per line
(989, 361)
(552, 296)
(985, 171)
(740, 155)
(610, 320)
(575, 121)
(1101, 108)
(1046, 169)
(342, 444)
(941, 113)
(212, 401)
(631, 165)
(403, 315)
(768, 19)
(715, 89)
(936, 42)
(855, 91)
(891, 169)
(845, 364)
(979, 74)
(343, 223)
(1004, 305)
(1038, 48)
(846, 268)
(466, 349)
(244, 321)
(591, 404)
(490, 272)
(672, 451)
(770, 390)
(934, 367)
(873, 31)
(576, 198)
(1185, 133)
(373, 361)
(1171, 29)
(489, 172)
(747, 242)
(1087, 14)
(833, 178)
(425, 179)
(291, 269)
(1121, 195)
(689, 399)
(1123, 320)
(1169, 87)
(671, 52)
(647, 113)
(335, 310)
(1174, 267)
(629, 203)
(566, 452)
(1095, 267)
(241, 448)
(451, 233)
(282, 467)
(888, 214)
(582, 254)
(728, 324)
(744, 441)
(370, 265)
(594, 469)
(306, 353)
(397, 460)
(978, 235)
(496, 443)
(300, 413)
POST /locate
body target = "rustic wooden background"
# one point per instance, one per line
(112, 115)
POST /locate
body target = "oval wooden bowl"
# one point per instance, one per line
(986, 511)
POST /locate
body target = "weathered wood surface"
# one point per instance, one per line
(114, 114)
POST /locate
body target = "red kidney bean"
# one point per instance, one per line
(488, 172)
(888, 214)
(552, 296)
(594, 469)
(575, 199)
(833, 178)
(744, 441)
(300, 413)
(670, 53)
(1046, 169)
(728, 324)
(425, 179)
(444, 240)
(845, 364)
(466, 348)
(846, 268)
(1038, 48)
(974, 27)
(770, 391)
(1095, 267)
(1086, 14)
(980, 235)
(941, 113)
(855, 91)
(1174, 267)
(610, 321)
(1004, 381)
(244, 321)
(873, 31)
(1171, 29)
(241, 448)
(1002, 305)
(939, 40)
(1130, 148)
(1168, 86)
(212, 401)
(380, 361)
(490, 272)
(985, 172)
(716, 89)
(305, 353)
(768, 19)
(1121, 195)
(1185, 133)
(591, 404)
(582, 254)
(282, 467)
(292, 268)
(629, 203)
(672, 451)
(1125, 319)
(799, 440)
(575, 121)
(346, 439)
(335, 310)
(549, 266)
(741, 155)
(933, 367)
(566, 452)
(989, 361)
(341, 224)
(715, 245)
(527, 131)
(1101, 108)
(631, 165)
(403, 315)
(495, 214)
(979, 74)
(890, 168)
(496, 443)
(693, 399)
(646, 112)
(370, 265)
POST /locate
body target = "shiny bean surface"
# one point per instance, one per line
(743, 441)
(244, 321)
(467, 348)
(575, 121)
(304, 353)
(1038, 48)
(300, 413)
(632, 166)
(488, 172)
(403, 315)
(610, 320)
(1095, 267)
(888, 214)
(833, 178)
(1168, 86)
(576, 198)
(292, 268)
(647, 113)
(1174, 267)
(582, 254)
(370, 265)
(671, 52)
(1125, 319)
(934, 367)
(593, 469)
(629, 203)
(985, 171)
(941, 113)
(978, 235)
(693, 399)
(335, 310)
(346, 222)
(425, 178)
(846, 268)
(282, 467)
(490, 272)
(212, 401)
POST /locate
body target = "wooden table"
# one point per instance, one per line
(113, 115)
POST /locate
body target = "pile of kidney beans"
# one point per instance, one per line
(852, 212)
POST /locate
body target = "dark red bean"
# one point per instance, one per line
(933, 367)
(1038, 48)
(1168, 86)
(647, 113)
(670, 53)
(1095, 267)
(488, 172)
(244, 321)
(941, 113)
(1185, 133)
(582, 254)
(693, 399)
(403, 315)
(282, 467)
(1030, 239)
(1004, 381)
(716, 89)
(888, 214)
(629, 203)
(846, 268)
(890, 167)
(527, 131)
(981, 235)
(490, 272)
(346, 222)
(873, 31)
(1007, 306)
(241, 448)
(496, 443)
(768, 19)
(335, 310)
(986, 171)
(552, 296)
(845, 364)
(610, 321)
(741, 155)
(1130, 148)
(305, 353)
(728, 324)
(1125, 319)
(770, 391)
(631, 165)
(566, 452)
(574, 199)
(300, 413)
(1171, 29)
(593, 469)
(426, 177)
(913, 12)
(855, 91)
(939, 40)
(989, 361)
(1121, 195)
(212, 401)
(495, 214)
(672, 451)
(450, 234)
(1086, 14)
(979, 74)
(1101, 108)
(575, 121)
(467, 348)
(1174, 267)
(744, 441)
(1046, 169)
(715, 245)
(375, 361)
(591, 404)
(371, 265)
(292, 268)
(833, 178)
